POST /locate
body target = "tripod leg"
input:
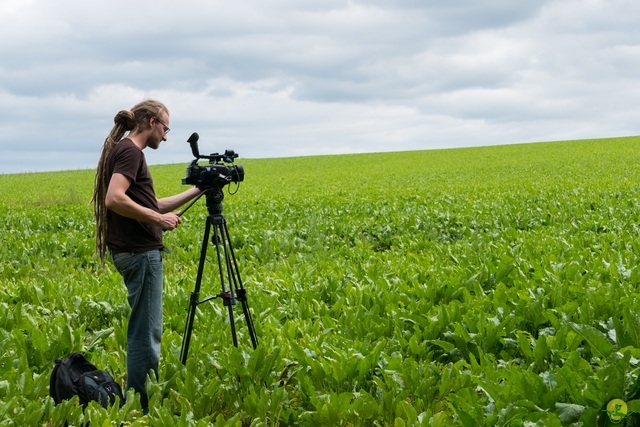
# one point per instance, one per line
(242, 297)
(232, 322)
(195, 295)
(186, 339)
(235, 281)
(221, 239)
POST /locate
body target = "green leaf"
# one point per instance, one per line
(596, 339)
(569, 413)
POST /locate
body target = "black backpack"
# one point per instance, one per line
(75, 375)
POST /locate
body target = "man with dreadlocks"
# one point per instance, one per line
(129, 223)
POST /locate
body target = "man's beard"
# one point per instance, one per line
(153, 143)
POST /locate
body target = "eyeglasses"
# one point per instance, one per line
(166, 128)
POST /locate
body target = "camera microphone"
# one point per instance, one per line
(193, 142)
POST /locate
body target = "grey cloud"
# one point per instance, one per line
(284, 77)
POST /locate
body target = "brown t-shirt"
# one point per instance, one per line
(127, 234)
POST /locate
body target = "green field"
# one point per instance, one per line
(491, 286)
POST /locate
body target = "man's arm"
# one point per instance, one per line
(171, 203)
(118, 201)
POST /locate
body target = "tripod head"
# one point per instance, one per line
(214, 200)
(214, 196)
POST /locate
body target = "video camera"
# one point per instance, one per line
(215, 174)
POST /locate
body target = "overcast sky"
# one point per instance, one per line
(280, 78)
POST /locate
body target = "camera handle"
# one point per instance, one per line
(232, 289)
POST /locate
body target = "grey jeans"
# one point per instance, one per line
(142, 274)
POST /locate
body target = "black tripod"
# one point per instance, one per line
(232, 289)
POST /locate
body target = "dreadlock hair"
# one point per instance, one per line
(125, 121)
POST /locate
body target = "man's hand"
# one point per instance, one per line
(169, 221)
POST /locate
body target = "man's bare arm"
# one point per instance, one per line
(171, 203)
